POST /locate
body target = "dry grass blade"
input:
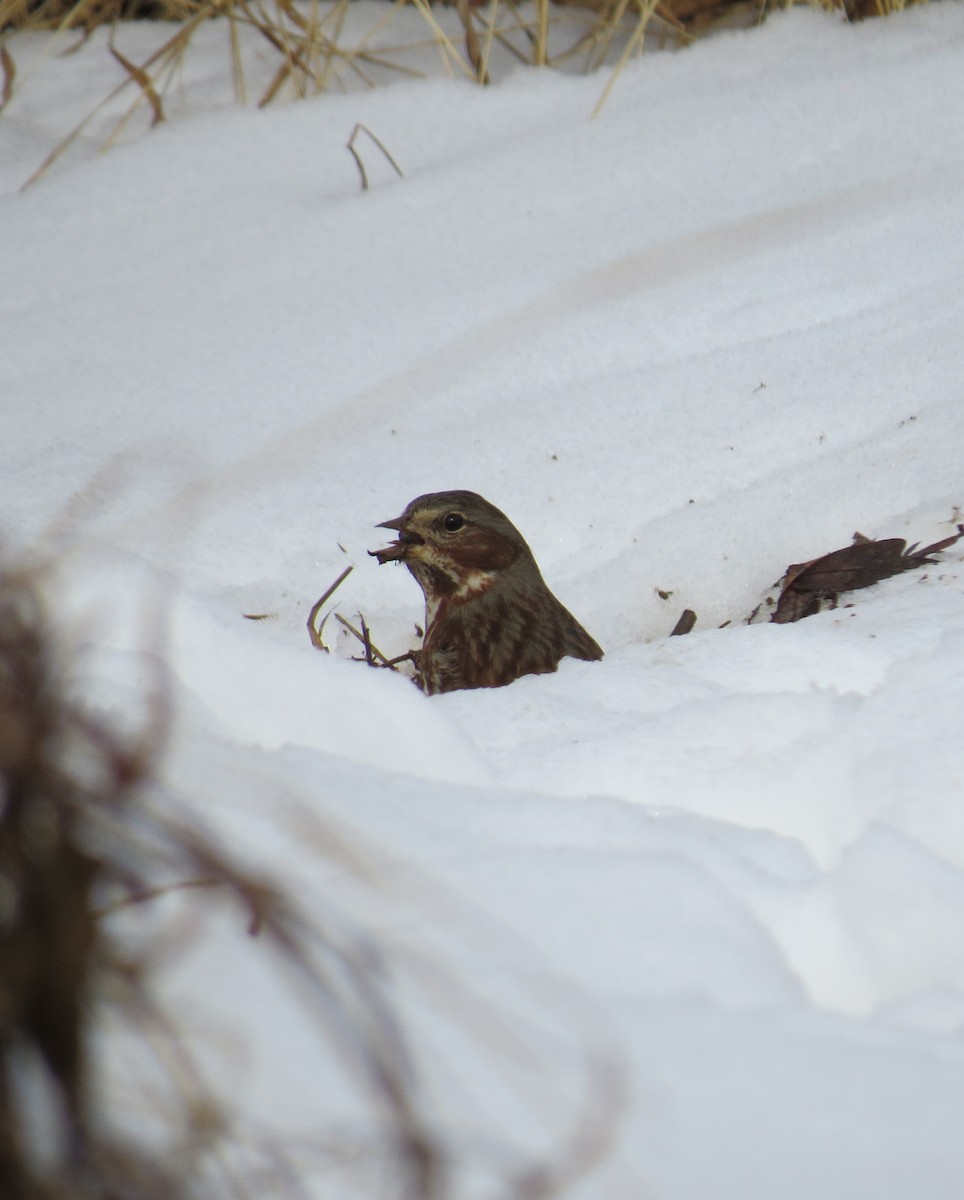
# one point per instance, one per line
(518, 25)
(310, 44)
(472, 48)
(52, 949)
(143, 81)
(372, 653)
(9, 68)
(610, 21)
(88, 830)
(283, 72)
(237, 63)
(170, 51)
(337, 16)
(315, 633)
(314, 58)
(490, 34)
(541, 56)
(143, 895)
(447, 49)
(335, 55)
(65, 143)
(646, 9)
(591, 1139)
(75, 828)
(350, 144)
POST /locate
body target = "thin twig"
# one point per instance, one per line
(635, 42)
(472, 50)
(142, 897)
(143, 81)
(371, 652)
(315, 634)
(9, 74)
(359, 128)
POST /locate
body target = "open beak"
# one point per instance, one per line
(397, 523)
(398, 550)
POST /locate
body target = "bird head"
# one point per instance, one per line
(454, 543)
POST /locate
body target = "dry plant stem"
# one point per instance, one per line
(142, 896)
(366, 635)
(542, 33)
(534, 29)
(51, 949)
(447, 50)
(345, 995)
(171, 49)
(615, 12)
(71, 137)
(307, 43)
(472, 41)
(348, 57)
(237, 63)
(143, 81)
(63, 968)
(9, 68)
(490, 22)
(676, 26)
(339, 14)
(646, 8)
(276, 36)
(276, 84)
(590, 1141)
(296, 66)
(313, 633)
(359, 128)
(371, 652)
(520, 26)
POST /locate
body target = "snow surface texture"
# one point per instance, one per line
(713, 331)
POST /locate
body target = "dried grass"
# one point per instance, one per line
(371, 655)
(88, 831)
(315, 54)
(310, 42)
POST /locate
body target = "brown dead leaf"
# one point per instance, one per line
(807, 587)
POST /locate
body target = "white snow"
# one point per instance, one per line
(711, 332)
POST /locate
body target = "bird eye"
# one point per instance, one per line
(453, 521)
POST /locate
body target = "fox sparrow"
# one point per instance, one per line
(489, 616)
